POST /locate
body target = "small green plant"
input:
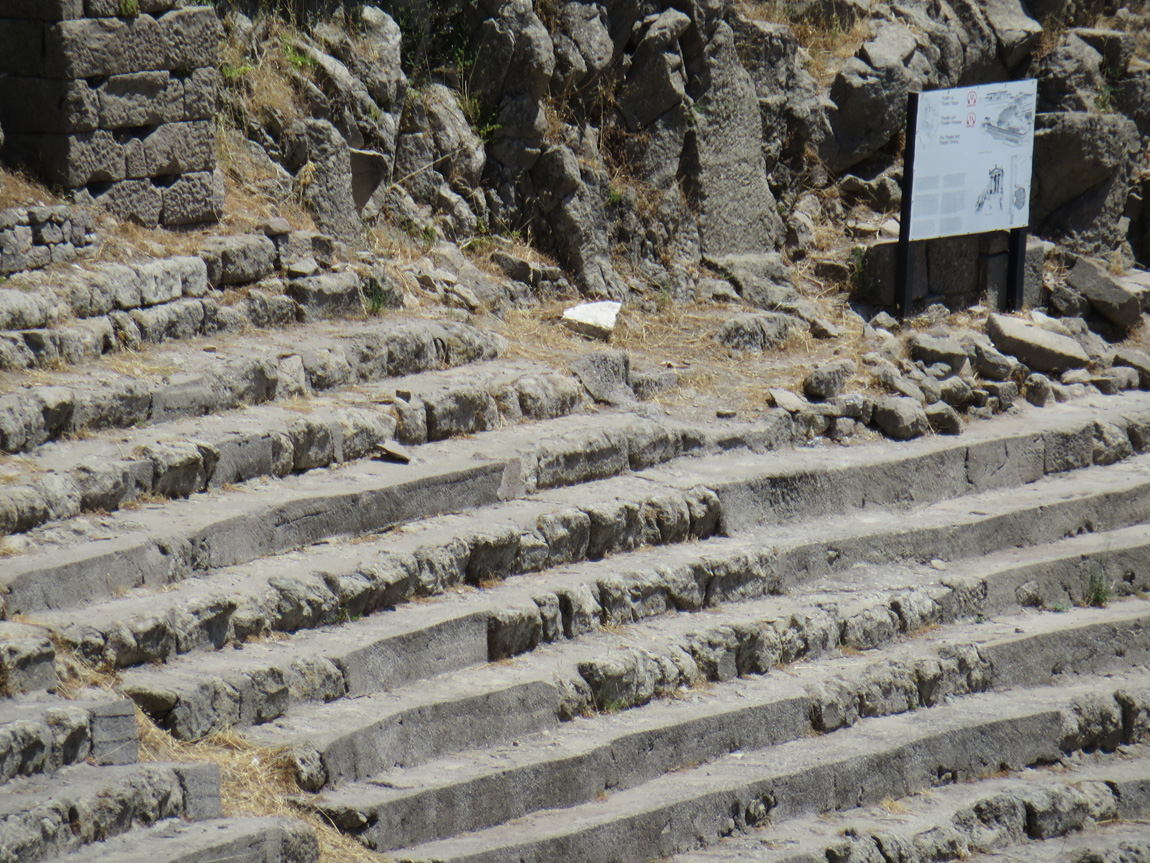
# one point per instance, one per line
(344, 616)
(299, 59)
(129, 8)
(614, 196)
(614, 705)
(483, 122)
(1059, 608)
(1098, 590)
(377, 296)
(861, 279)
(231, 73)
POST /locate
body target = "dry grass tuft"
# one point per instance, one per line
(19, 190)
(828, 40)
(678, 336)
(254, 782)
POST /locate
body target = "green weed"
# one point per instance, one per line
(300, 60)
(378, 296)
(1098, 590)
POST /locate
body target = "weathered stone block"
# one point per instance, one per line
(193, 275)
(329, 295)
(200, 89)
(72, 160)
(193, 199)
(45, 105)
(182, 39)
(131, 200)
(18, 238)
(174, 148)
(95, 47)
(239, 259)
(192, 37)
(140, 99)
(159, 283)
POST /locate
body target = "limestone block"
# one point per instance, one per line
(95, 47)
(193, 273)
(596, 320)
(20, 310)
(1040, 350)
(182, 39)
(131, 200)
(140, 99)
(159, 283)
(27, 659)
(239, 259)
(193, 199)
(328, 295)
(173, 148)
(45, 105)
(192, 37)
(200, 89)
(178, 320)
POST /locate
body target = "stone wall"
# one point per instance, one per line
(115, 99)
(34, 237)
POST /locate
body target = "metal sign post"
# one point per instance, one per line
(967, 170)
(904, 261)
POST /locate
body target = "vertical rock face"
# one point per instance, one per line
(325, 178)
(724, 161)
(1082, 179)
(119, 108)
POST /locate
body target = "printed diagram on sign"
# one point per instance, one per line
(1019, 167)
(1015, 122)
(993, 194)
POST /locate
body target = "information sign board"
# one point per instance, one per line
(973, 155)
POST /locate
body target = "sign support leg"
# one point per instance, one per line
(1016, 270)
(904, 263)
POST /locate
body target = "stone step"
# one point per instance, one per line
(202, 692)
(27, 659)
(42, 817)
(338, 583)
(1111, 843)
(46, 734)
(588, 757)
(158, 544)
(616, 670)
(219, 840)
(1010, 817)
(104, 471)
(204, 377)
(354, 738)
(877, 759)
(607, 671)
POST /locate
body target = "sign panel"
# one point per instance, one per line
(973, 158)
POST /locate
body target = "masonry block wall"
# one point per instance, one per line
(116, 100)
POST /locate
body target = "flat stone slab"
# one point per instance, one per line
(596, 320)
(235, 840)
(1037, 348)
